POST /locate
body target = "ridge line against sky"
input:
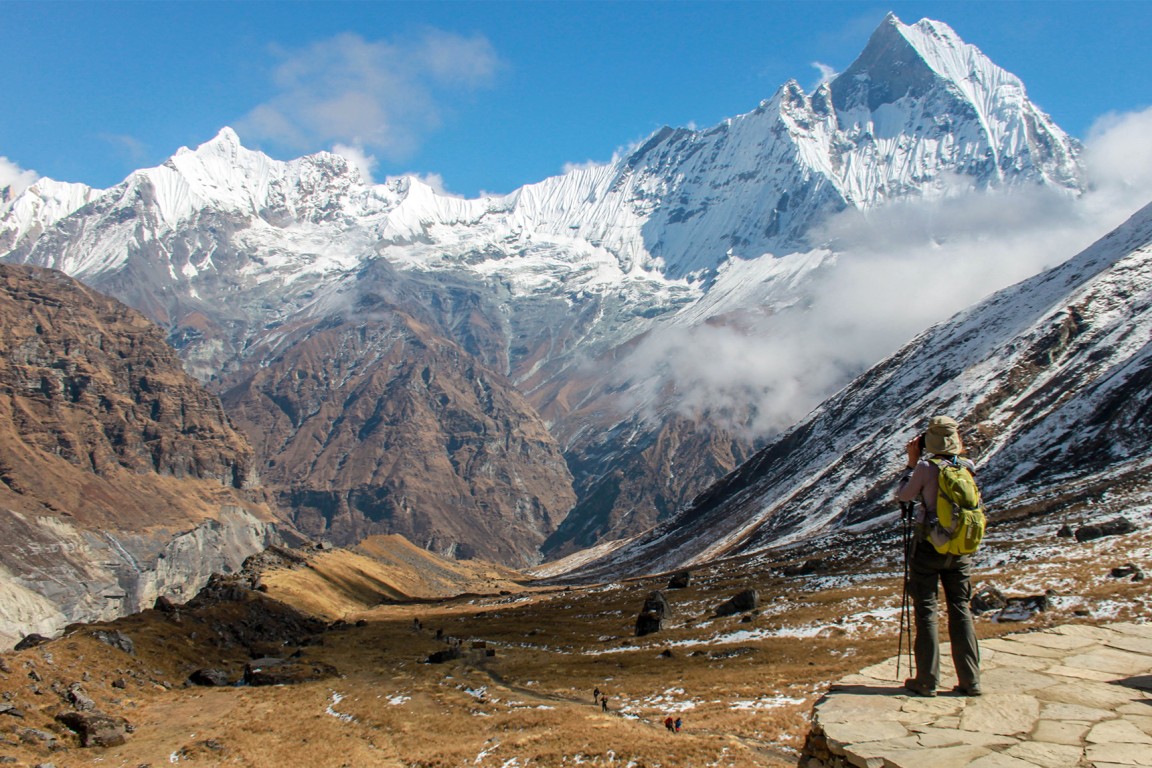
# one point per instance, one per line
(483, 96)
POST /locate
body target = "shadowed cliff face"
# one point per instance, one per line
(120, 476)
(378, 425)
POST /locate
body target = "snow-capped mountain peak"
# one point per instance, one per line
(223, 174)
(923, 81)
(38, 207)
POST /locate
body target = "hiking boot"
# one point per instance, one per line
(919, 688)
(968, 690)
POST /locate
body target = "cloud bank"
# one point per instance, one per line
(892, 272)
(380, 96)
(15, 177)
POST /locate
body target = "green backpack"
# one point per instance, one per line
(959, 525)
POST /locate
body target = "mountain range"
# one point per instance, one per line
(1049, 379)
(493, 377)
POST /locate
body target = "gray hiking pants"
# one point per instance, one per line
(928, 570)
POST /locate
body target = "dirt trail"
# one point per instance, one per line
(779, 757)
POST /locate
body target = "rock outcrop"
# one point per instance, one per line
(371, 423)
(121, 478)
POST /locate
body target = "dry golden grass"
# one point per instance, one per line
(743, 685)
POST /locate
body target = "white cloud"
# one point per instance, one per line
(12, 175)
(826, 71)
(1118, 153)
(360, 159)
(380, 96)
(897, 270)
(433, 180)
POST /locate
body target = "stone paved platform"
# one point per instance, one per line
(1072, 696)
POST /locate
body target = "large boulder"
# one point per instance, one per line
(680, 580)
(748, 600)
(286, 671)
(652, 614)
(648, 622)
(116, 639)
(1115, 527)
(30, 641)
(988, 598)
(96, 729)
(209, 678)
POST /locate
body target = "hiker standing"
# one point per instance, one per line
(677, 725)
(604, 703)
(928, 568)
(596, 695)
(669, 724)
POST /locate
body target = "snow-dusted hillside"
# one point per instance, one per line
(563, 285)
(1049, 378)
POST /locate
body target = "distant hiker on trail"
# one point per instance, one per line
(596, 695)
(677, 724)
(926, 567)
(603, 703)
(669, 724)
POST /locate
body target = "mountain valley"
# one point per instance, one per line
(365, 474)
(573, 310)
(519, 690)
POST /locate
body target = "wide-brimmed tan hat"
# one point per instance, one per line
(943, 436)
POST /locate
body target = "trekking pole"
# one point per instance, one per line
(906, 509)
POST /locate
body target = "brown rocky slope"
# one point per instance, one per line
(121, 476)
(370, 422)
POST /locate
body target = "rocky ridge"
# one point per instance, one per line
(121, 478)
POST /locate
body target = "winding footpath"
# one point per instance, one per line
(1076, 696)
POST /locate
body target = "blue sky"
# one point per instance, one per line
(486, 95)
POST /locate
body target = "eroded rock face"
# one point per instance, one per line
(376, 425)
(120, 476)
(96, 729)
(94, 384)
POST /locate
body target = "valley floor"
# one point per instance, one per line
(521, 692)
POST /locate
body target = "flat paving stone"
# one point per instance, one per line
(1120, 663)
(1023, 680)
(1075, 712)
(1101, 634)
(1000, 760)
(862, 732)
(1123, 754)
(1129, 628)
(1055, 640)
(1131, 643)
(949, 737)
(944, 757)
(1062, 732)
(1047, 755)
(1007, 645)
(1081, 674)
(1003, 713)
(1117, 732)
(1076, 695)
(1088, 693)
(1142, 722)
